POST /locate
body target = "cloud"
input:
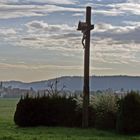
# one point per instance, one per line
(37, 24)
(7, 31)
(121, 34)
(32, 8)
(13, 66)
(43, 26)
(110, 44)
(78, 14)
(134, 1)
(41, 35)
(7, 34)
(64, 2)
(35, 66)
(107, 51)
(8, 1)
(16, 10)
(129, 7)
(115, 7)
(24, 66)
(132, 23)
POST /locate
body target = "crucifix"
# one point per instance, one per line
(86, 27)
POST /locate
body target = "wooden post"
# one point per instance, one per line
(86, 90)
(86, 27)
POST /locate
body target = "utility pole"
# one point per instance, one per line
(86, 27)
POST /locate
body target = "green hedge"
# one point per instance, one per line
(128, 120)
(106, 111)
(48, 111)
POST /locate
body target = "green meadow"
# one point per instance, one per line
(9, 131)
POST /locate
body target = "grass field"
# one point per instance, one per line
(9, 131)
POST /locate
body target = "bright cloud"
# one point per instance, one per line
(38, 1)
(52, 1)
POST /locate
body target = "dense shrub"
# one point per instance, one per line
(92, 113)
(47, 110)
(92, 116)
(105, 106)
(128, 120)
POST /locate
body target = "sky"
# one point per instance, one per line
(39, 40)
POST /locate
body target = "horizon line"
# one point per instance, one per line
(119, 75)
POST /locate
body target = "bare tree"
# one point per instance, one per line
(53, 88)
